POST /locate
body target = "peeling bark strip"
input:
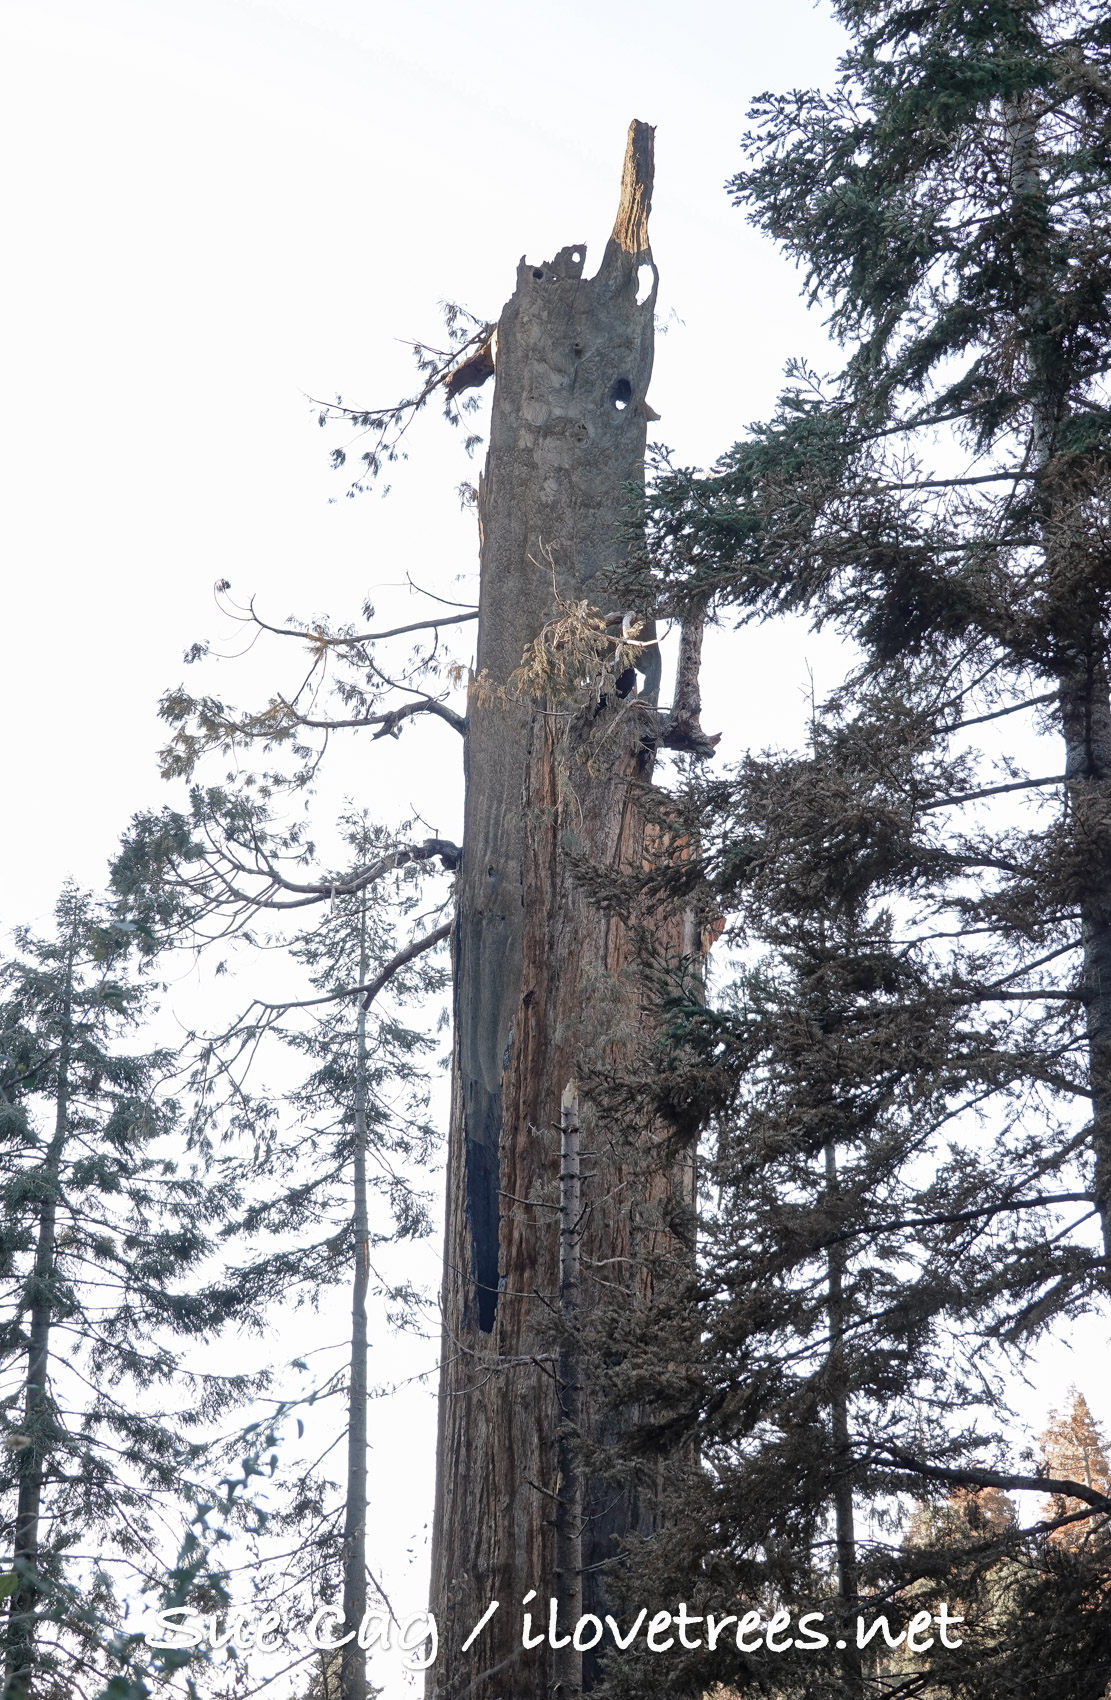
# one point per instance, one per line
(542, 977)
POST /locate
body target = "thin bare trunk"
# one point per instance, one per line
(38, 1423)
(353, 1660)
(845, 1528)
(1086, 723)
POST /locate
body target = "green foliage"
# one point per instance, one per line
(904, 1091)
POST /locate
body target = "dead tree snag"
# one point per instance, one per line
(543, 986)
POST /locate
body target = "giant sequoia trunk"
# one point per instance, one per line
(545, 993)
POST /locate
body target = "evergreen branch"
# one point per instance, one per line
(955, 1217)
(448, 852)
(1011, 476)
(970, 1476)
(1039, 962)
(403, 957)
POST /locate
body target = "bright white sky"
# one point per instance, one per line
(216, 207)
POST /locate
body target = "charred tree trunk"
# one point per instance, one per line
(543, 981)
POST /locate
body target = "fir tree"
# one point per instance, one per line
(331, 1169)
(943, 499)
(365, 1102)
(841, 1252)
(942, 502)
(106, 1231)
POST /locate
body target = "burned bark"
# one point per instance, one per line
(544, 984)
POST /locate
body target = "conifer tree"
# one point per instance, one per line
(840, 1250)
(942, 503)
(106, 1227)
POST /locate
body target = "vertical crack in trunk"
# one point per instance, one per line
(569, 1508)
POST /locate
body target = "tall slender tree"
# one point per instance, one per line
(366, 1101)
(105, 1228)
(834, 1258)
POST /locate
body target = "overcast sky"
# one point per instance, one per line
(214, 209)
